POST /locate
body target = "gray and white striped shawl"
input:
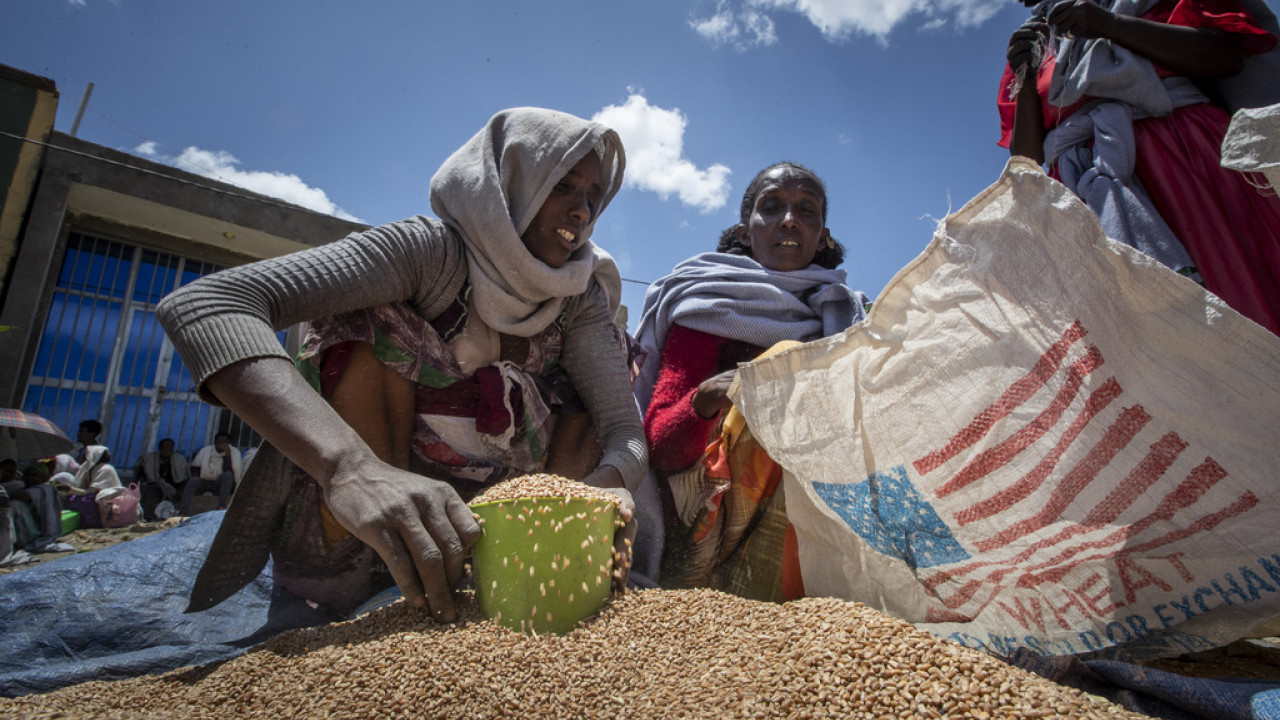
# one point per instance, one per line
(735, 297)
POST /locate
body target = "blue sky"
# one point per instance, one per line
(350, 109)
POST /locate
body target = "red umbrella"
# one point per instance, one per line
(27, 436)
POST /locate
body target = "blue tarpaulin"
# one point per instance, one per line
(118, 612)
(1157, 693)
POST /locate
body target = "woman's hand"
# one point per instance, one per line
(1083, 19)
(607, 478)
(712, 395)
(1025, 54)
(622, 539)
(417, 525)
(1026, 46)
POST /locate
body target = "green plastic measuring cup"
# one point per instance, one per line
(544, 564)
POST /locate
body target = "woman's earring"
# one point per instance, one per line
(831, 242)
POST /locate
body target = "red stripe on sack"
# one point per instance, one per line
(1242, 504)
(1198, 482)
(1152, 468)
(934, 615)
(996, 457)
(1116, 437)
(1187, 493)
(1018, 393)
(962, 596)
(1029, 483)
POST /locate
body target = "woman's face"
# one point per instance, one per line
(785, 229)
(556, 231)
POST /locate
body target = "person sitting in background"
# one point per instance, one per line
(10, 479)
(11, 552)
(718, 494)
(25, 528)
(35, 492)
(217, 469)
(95, 479)
(161, 474)
(86, 435)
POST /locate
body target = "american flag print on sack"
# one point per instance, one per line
(1027, 549)
(889, 513)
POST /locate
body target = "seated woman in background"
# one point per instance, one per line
(95, 479)
(1113, 103)
(772, 280)
(45, 510)
(436, 353)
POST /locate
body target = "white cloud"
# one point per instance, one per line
(838, 19)
(223, 166)
(743, 28)
(654, 140)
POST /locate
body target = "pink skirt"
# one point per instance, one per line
(1228, 221)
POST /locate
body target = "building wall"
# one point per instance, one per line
(69, 192)
(28, 104)
(137, 201)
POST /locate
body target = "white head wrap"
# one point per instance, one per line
(489, 191)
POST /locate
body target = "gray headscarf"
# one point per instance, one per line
(489, 191)
(736, 297)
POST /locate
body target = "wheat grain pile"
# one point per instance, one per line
(543, 485)
(650, 654)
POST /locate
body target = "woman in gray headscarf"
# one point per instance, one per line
(438, 354)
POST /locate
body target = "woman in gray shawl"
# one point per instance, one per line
(717, 493)
(439, 353)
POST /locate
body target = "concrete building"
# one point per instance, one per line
(90, 240)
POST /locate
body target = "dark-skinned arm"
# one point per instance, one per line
(1027, 138)
(1193, 52)
(677, 422)
(419, 526)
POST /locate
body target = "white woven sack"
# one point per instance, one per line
(1252, 143)
(1039, 438)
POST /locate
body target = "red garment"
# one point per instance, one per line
(741, 541)
(1230, 228)
(1226, 15)
(677, 436)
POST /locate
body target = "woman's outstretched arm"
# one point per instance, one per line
(1024, 54)
(419, 526)
(224, 325)
(1193, 52)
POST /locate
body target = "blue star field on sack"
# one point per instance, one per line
(889, 513)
